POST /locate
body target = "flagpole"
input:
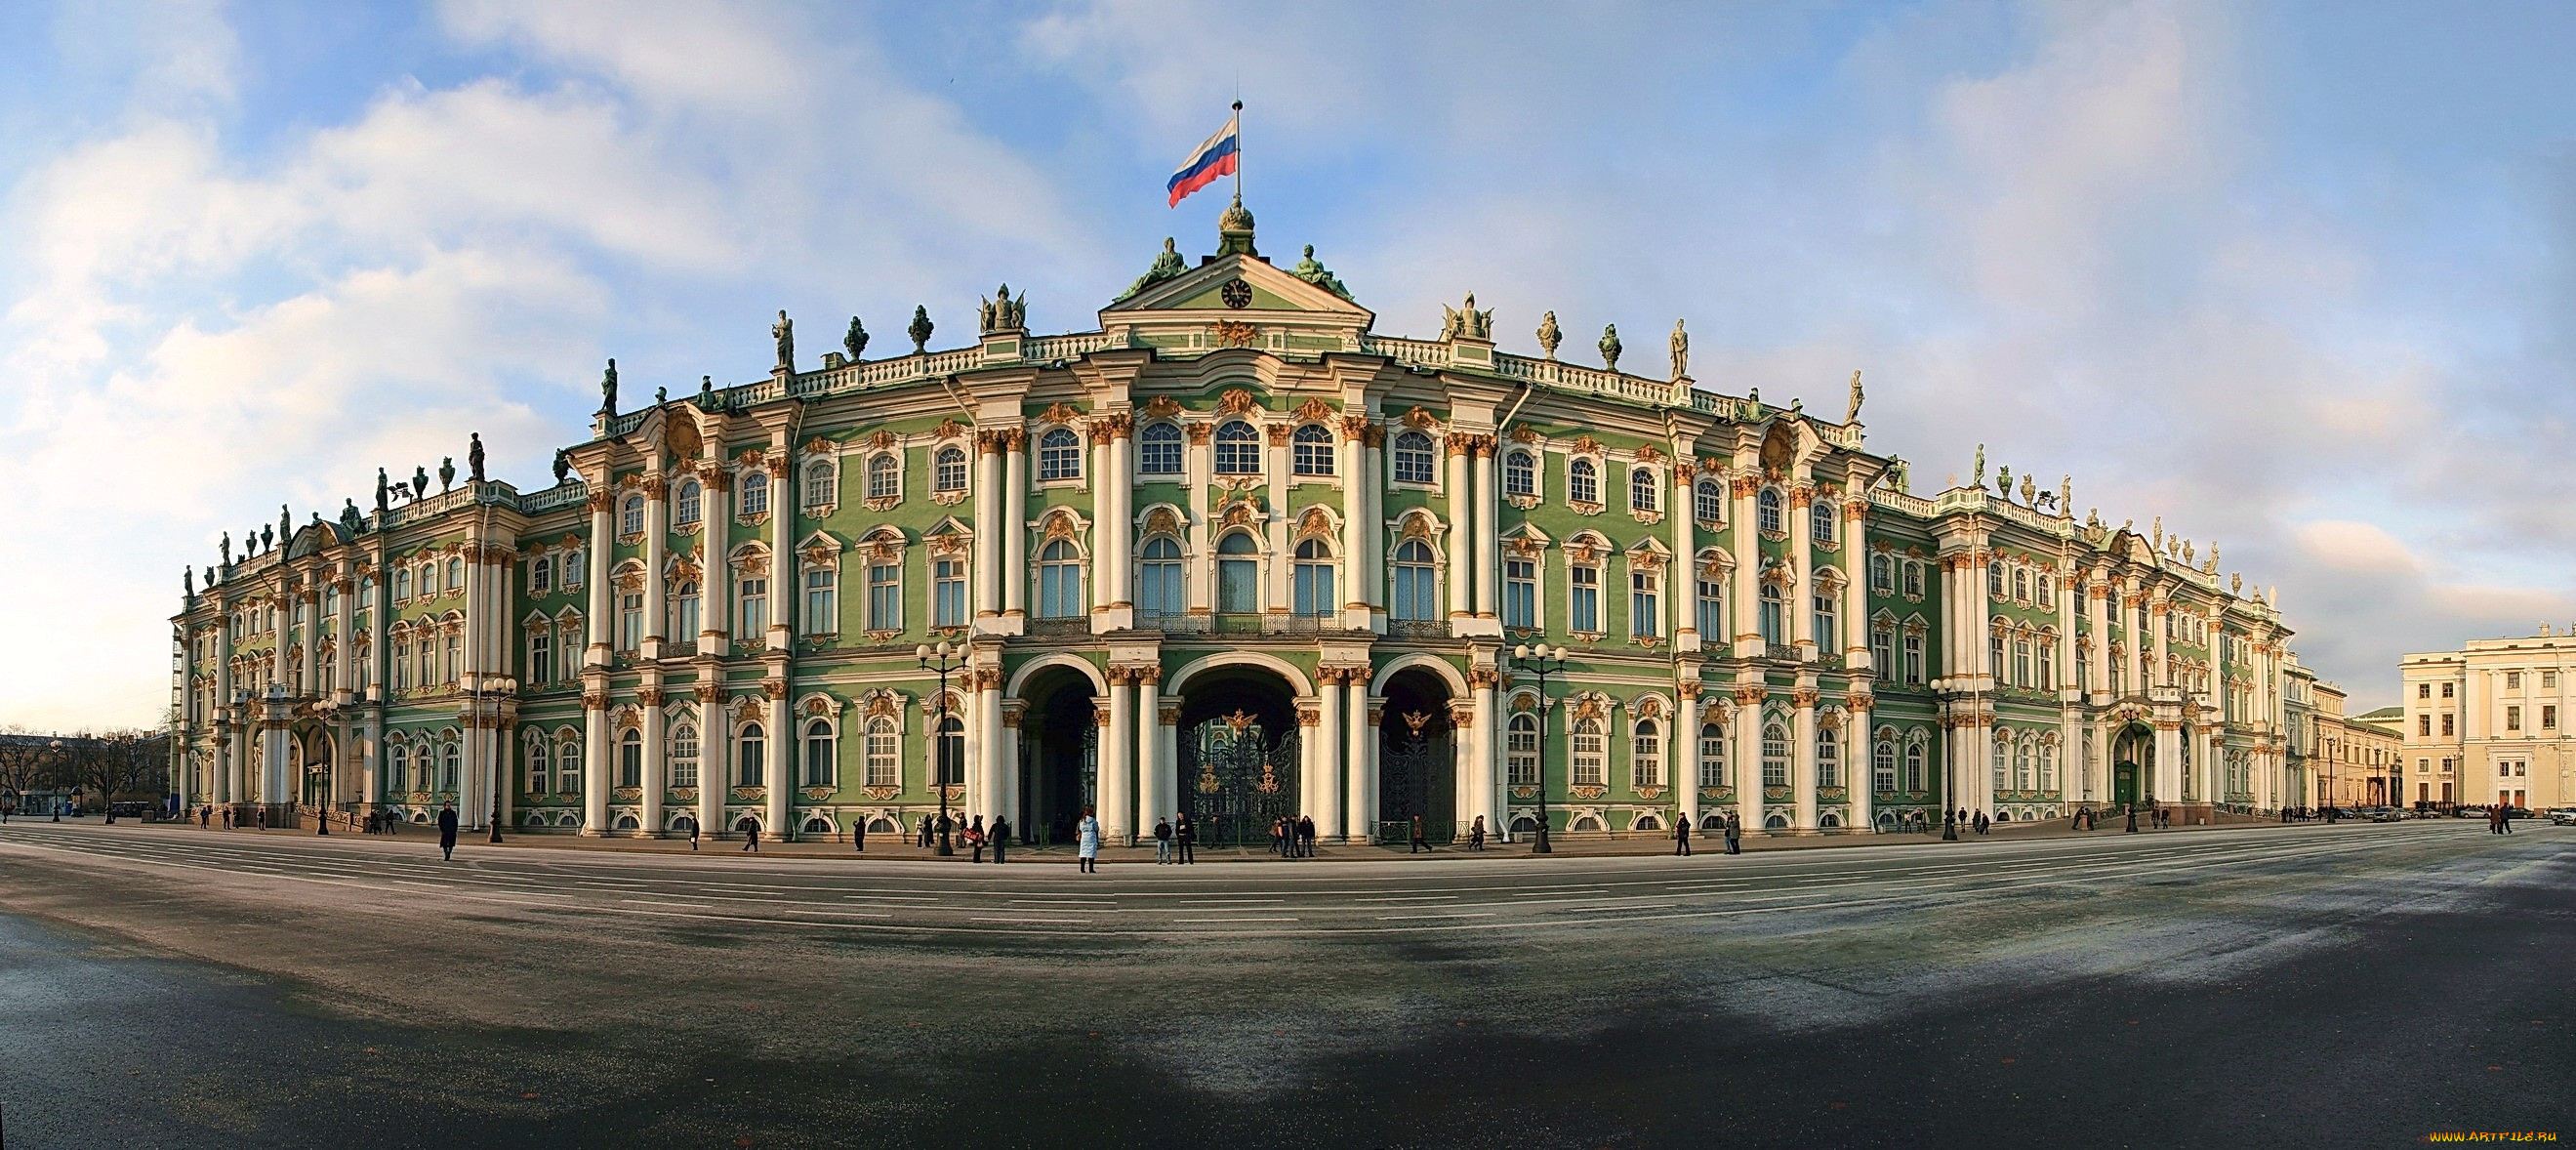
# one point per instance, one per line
(1238, 150)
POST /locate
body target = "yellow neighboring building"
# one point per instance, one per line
(2488, 723)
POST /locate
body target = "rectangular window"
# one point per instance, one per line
(2446, 724)
(754, 597)
(1914, 580)
(2513, 718)
(2423, 690)
(2513, 680)
(576, 569)
(1712, 755)
(1712, 610)
(630, 621)
(823, 602)
(1584, 607)
(1238, 587)
(1314, 589)
(1522, 748)
(948, 588)
(1914, 659)
(2549, 680)
(540, 659)
(2424, 724)
(2549, 717)
(1520, 593)
(2446, 690)
(1162, 592)
(1882, 648)
(1591, 756)
(885, 597)
(1645, 610)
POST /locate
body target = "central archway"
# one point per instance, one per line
(1239, 766)
(1417, 763)
(2133, 761)
(1059, 753)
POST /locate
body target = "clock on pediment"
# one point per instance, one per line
(1236, 294)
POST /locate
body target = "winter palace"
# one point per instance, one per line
(1231, 552)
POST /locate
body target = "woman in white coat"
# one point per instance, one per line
(1087, 840)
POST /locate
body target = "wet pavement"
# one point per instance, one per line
(2341, 986)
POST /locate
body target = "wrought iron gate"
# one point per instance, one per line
(1415, 777)
(1236, 780)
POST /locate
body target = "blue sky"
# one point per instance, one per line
(2293, 276)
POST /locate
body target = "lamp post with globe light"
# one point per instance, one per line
(939, 661)
(1542, 661)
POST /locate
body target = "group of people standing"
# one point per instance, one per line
(1732, 827)
(1176, 839)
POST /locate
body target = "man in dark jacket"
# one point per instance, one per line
(447, 831)
(1306, 836)
(1681, 837)
(1734, 835)
(859, 835)
(750, 829)
(1162, 841)
(1186, 835)
(1420, 844)
(1001, 838)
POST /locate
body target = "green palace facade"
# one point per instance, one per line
(1232, 552)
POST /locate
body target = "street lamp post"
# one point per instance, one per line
(938, 660)
(1543, 661)
(504, 690)
(56, 800)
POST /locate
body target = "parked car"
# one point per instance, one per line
(2386, 815)
(2563, 816)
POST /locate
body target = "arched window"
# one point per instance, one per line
(2021, 583)
(541, 575)
(1521, 748)
(823, 481)
(568, 765)
(952, 750)
(884, 749)
(1914, 658)
(1712, 755)
(1313, 444)
(2002, 769)
(1060, 582)
(451, 760)
(1313, 581)
(398, 768)
(630, 521)
(1821, 522)
(2048, 768)
(1583, 597)
(2047, 662)
(2021, 659)
(1829, 758)
(1882, 647)
(885, 479)
(1582, 482)
(1641, 489)
(1591, 752)
(1060, 454)
(1238, 448)
(1160, 592)
(1158, 449)
(1708, 502)
(2021, 765)
(822, 768)
(751, 756)
(1995, 655)
(1995, 579)
(1710, 586)
(689, 505)
(1520, 473)
(1882, 574)
(1826, 608)
(1767, 512)
(540, 768)
(1914, 773)
(1882, 764)
(1238, 573)
(1775, 615)
(1417, 591)
(948, 470)
(1412, 457)
(751, 604)
(1775, 755)
(1646, 755)
(684, 755)
(754, 497)
(630, 758)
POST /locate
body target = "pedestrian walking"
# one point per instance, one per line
(924, 837)
(1734, 835)
(1001, 837)
(693, 834)
(1306, 836)
(1162, 841)
(1681, 837)
(1087, 842)
(750, 828)
(859, 837)
(975, 838)
(1279, 836)
(1185, 834)
(1420, 845)
(447, 832)
(1476, 834)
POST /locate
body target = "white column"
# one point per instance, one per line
(782, 570)
(989, 500)
(994, 750)
(1015, 528)
(598, 549)
(2097, 663)
(1681, 578)
(1744, 741)
(1466, 765)
(1008, 768)
(1120, 482)
(1372, 516)
(1357, 818)
(1167, 758)
(1487, 788)
(1684, 756)
(779, 773)
(2159, 616)
(1860, 764)
(657, 549)
(596, 770)
(1118, 761)
(1489, 568)
(715, 763)
(656, 773)
(715, 587)
(1104, 534)
(1747, 580)
(1355, 573)
(1154, 793)
(1462, 532)
(1855, 607)
(1324, 789)
(1802, 580)
(1802, 757)
(2169, 764)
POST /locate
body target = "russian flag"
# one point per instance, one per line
(1213, 159)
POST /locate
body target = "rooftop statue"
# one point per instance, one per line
(1548, 336)
(267, 540)
(2003, 483)
(446, 473)
(285, 524)
(1900, 475)
(608, 389)
(2066, 493)
(563, 467)
(420, 483)
(227, 546)
(382, 489)
(856, 342)
(188, 581)
(1610, 346)
(706, 393)
(1978, 479)
(922, 327)
(350, 520)
(474, 455)
(1002, 313)
(1852, 414)
(1466, 322)
(784, 331)
(1166, 266)
(1681, 352)
(661, 395)
(2029, 491)
(1309, 270)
